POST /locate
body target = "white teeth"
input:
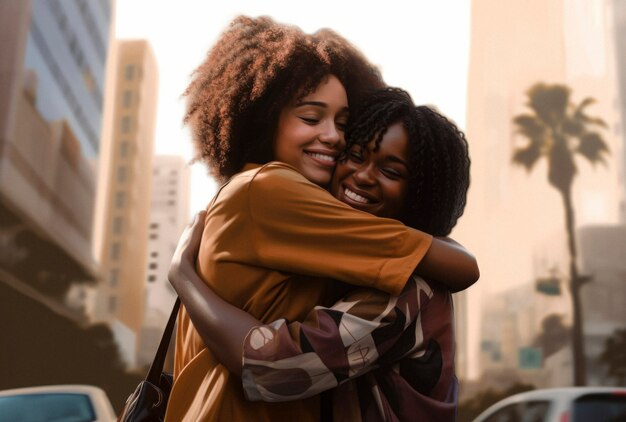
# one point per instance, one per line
(356, 197)
(328, 158)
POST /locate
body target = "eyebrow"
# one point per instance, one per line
(313, 103)
(316, 104)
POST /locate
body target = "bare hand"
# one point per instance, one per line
(184, 258)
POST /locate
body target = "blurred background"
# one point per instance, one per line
(96, 185)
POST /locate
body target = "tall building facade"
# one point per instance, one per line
(619, 35)
(169, 213)
(67, 49)
(513, 214)
(50, 76)
(52, 68)
(603, 257)
(461, 334)
(125, 172)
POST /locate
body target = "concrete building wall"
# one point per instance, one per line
(619, 35)
(168, 216)
(125, 178)
(603, 257)
(47, 187)
(67, 47)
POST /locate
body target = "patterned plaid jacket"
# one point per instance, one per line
(389, 358)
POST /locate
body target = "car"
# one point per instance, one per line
(67, 403)
(573, 404)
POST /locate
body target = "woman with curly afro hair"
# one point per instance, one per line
(267, 110)
(253, 72)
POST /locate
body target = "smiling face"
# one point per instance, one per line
(309, 135)
(376, 181)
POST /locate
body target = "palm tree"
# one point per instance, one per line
(558, 130)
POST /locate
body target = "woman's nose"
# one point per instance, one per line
(331, 136)
(364, 176)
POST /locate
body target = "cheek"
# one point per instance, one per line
(283, 143)
(397, 193)
(342, 170)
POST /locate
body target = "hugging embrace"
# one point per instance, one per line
(317, 284)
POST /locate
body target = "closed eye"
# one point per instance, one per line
(309, 120)
(391, 173)
(355, 156)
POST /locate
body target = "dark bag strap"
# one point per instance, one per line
(154, 375)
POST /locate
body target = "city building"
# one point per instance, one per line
(511, 213)
(603, 258)
(53, 60)
(618, 10)
(169, 214)
(54, 57)
(461, 328)
(123, 203)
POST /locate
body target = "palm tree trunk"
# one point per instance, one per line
(578, 345)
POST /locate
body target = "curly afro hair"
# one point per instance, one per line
(439, 160)
(253, 71)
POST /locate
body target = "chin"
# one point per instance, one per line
(319, 178)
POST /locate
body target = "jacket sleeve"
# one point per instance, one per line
(288, 361)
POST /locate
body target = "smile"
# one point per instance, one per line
(328, 158)
(356, 197)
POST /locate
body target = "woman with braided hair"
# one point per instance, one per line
(390, 357)
(273, 238)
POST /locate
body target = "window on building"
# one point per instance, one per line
(118, 225)
(122, 172)
(130, 72)
(154, 225)
(88, 79)
(120, 200)
(153, 266)
(154, 236)
(171, 202)
(154, 254)
(115, 251)
(152, 278)
(112, 303)
(124, 148)
(127, 98)
(126, 123)
(114, 276)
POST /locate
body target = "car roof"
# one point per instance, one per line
(69, 388)
(554, 395)
(545, 393)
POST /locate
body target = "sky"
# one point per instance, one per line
(421, 46)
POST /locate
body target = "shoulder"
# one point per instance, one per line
(276, 180)
(277, 173)
(268, 176)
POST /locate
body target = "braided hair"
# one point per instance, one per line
(255, 69)
(438, 157)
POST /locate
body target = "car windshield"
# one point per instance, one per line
(46, 407)
(600, 408)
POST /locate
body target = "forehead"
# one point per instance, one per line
(395, 142)
(330, 89)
